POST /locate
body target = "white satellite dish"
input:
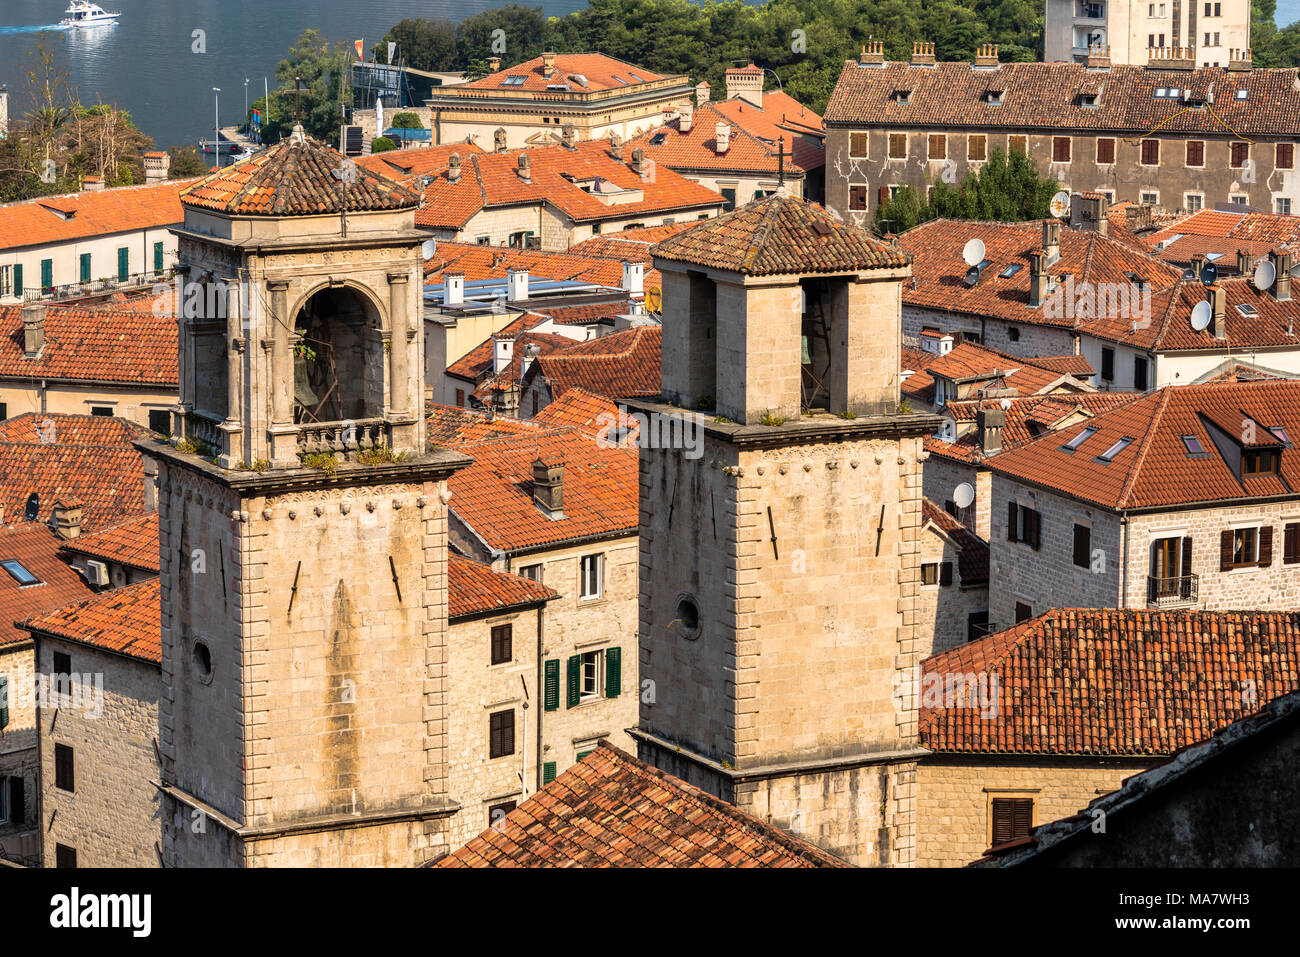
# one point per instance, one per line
(1201, 316)
(429, 247)
(1006, 404)
(963, 495)
(1265, 274)
(972, 253)
(1060, 205)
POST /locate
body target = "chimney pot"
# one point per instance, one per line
(33, 329)
(616, 147)
(1037, 279)
(990, 423)
(66, 517)
(548, 65)
(1282, 265)
(722, 135)
(1245, 262)
(453, 284)
(687, 117)
(1052, 239)
(1219, 311)
(453, 168)
(702, 92)
(548, 485)
(494, 63)
(517, 285)
(633, 278)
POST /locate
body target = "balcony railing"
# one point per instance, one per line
(202, 427)
(96, 287)
(352, 435)
(1163, 592)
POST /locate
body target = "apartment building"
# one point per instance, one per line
(1130, 29)
(1165, 133)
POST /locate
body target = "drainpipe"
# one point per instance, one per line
(523, 750)
(541, 689)
(1123, 565)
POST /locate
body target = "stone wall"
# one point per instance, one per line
(943, 610)
(18, 752)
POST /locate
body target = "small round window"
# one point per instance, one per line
(688, 618)
(202, 662)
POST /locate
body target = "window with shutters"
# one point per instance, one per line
(1060, 149)
(551, 685)
(857, 144)
(502, 642)
(1243, 547)
(945, 573)
(977, 147)
(1082, 546)
(1291, 543)
(897, 146)
(123, 263)
(1196, 152)
(1010, 819)
(1284, 156)
(65, 856)
(1020, 143)
(593, 576)
(589, 679)
(1024, 525)
(548, 772)
(858, 196)
(62, 677)
(1140, 373)
(64, 778)
(501, 733)
(157, 257)
(1150, 152)
(938, 146)
(930, 573)
(1105, 150)
(1240, 153)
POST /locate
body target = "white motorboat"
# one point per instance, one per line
(83, 14)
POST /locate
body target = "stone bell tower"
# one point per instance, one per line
(302, 525)
(779, 554)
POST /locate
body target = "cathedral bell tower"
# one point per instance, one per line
(303, 527)
(779, 551)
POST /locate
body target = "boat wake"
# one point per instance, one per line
(5, 31)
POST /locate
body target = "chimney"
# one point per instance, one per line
(1052, 239)
(453, 168)
(548, 485)
(568, 135)
(453, 289)
(548, 65)
(1219, 311)
(1138, 217)
(525, 168)
(986, 57)
(638, 161)
(873, 53)
(525, 363)
(1037, 279)
(503, 350)
(66, 518)
(989, 422)
(517, 285)
(1245, 263)
(499, 139)
(722, 135)
(92, 184)
(746, 84)
(33, 329)
(922, 54)
(702, 92)
(633, 278)
(494, 63)
(616, 146)
(1281, 260)
(687, 117)
(1088, 211)
(157, 166)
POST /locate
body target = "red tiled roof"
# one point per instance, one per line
(474, 588)
(133, 542)
(752, 147)
(1156, 469)
(616, 365)
(35, 222)
(89, 457)
(37, 548)
(491, 180)
(1041, 412)
(1269, 229)
(295, 178)
(920, 384)
(632, 245)
(1111, 682)
(1045, 96)
(125, 620)
(511, 374)
(580, 409)
(97, 344)
(406, 166)
(780, 115)
(611, 810)
(777, 234)
(972, 362)
(973, 551)
(600, 71)
(494, 262)
(494, 496)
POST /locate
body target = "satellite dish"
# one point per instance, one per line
(1201, 316)
(429, 248)
(963, 495)
(33, 507)
(1209, 273)
(1060, 205)
(1006, 404)
(1264, 275)
(972, 253)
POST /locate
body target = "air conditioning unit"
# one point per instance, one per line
(97, 573)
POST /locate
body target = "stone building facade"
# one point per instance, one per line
(1130, 29)
(19, 760)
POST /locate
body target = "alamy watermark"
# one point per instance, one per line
(652, 431)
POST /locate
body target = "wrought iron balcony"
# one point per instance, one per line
(1167, 592)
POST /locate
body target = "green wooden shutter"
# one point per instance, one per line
(47, 274)
(548, 771)
(18, 280)
(575, 680)
(551, 686)
(85, 267)
(613, 672)
(123, 263)
(157, 257)
(4, 701)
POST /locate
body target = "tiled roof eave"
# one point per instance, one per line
(504, 609)
(87, 643)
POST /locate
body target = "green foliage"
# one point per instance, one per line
(706, 403)
(324, 461)
(905, 407)
(525, 36)
(259, 465)
(407, 121)
(323, 69)
(723, 420)
(382, 144)
(770, 420)
(847, 414)
(380, 455)
(186, 162)
(191, 447)
(422, 44)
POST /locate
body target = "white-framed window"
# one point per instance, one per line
(1193, 202)
(590, 676)
(533, 572)
(1109, 194)
(6, 280)
(1282, 205)
(1149, 198)
(593, 576)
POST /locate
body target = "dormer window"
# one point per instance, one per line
(1280, 432)
(902, 97)
(993, 97)
(1260, 462)
(1088, 100)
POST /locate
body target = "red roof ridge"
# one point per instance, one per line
(1153, 426)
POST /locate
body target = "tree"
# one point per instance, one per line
(382, 144)
(523, 36)
(904, 210)
(422, 44)
(325, 92)
(406, 121)
(186, 162)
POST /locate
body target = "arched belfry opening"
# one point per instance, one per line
(338, 358)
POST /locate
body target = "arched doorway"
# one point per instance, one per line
(338, 358)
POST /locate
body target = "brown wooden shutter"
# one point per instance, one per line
(1291, 544)
(883, 195)
(1187, 556)
(1012, 518)
(1225, 550)
(1266, 546)
(1013, 818)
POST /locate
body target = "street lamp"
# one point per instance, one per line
(245, 101)
(216, 123)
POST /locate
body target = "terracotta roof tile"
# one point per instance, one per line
(96, 344)
(37, 548)
(474, 588)
(1111, 682)
(632, 245)
(617, 365)
(1027, 417)
(493, 262)
(753, 146)
(601, 72)
(580, 409)
(36, 222)
(611, 810)
(133, 543)
(125, 620)
(777, 234)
